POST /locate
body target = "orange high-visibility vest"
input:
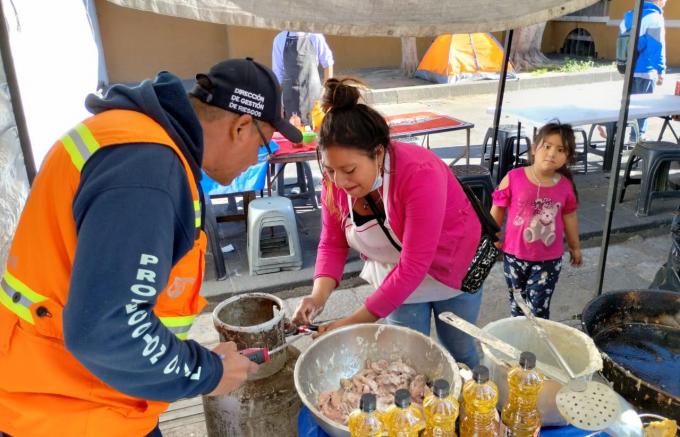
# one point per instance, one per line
(44, 390)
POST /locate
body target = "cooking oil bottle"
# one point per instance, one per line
(365, 422)
(404, 419)
(520, 417)
(441, 411)
(480, 418)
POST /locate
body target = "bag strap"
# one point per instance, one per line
(381, 221)
(489, 225)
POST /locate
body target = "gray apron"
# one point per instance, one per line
(301, 83)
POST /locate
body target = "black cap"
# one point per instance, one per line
(402, 398)
(480, 374)
(368, 402)
(244, 86)
(441, 388)
(527, 360)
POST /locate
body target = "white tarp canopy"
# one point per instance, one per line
(367, 17)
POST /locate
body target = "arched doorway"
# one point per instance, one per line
(579, 43)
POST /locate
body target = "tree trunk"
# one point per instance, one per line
(526, 47)
(409, 56)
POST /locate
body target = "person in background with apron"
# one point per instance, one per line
(402, 208)
(295, 60)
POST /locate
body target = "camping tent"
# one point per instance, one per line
(453, 57)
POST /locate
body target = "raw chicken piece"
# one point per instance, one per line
(378, 377)
(419, 388)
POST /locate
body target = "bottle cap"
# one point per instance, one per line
(441, 388)
(402, 398)
(527, 360)
(368, 403)
(480, 374)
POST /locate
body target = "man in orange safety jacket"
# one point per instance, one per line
(104, 272)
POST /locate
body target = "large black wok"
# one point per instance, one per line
(638, 333)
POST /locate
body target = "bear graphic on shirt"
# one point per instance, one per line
(542, 225)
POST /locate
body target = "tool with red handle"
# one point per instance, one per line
(261, 355)
(257, 355)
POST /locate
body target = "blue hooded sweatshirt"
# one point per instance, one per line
(651, 60)
(135, 199)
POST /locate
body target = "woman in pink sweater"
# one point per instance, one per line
(400, 206)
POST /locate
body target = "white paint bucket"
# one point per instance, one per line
(576, 347)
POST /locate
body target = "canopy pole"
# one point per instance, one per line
(17, 107)
(618, 145)
(499, 97)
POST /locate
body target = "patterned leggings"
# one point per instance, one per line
(535, 280)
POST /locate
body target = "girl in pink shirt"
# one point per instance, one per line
(402, 208)
(541, 207)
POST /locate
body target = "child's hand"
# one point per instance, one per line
(575, 257)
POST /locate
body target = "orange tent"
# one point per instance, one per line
(453, 57)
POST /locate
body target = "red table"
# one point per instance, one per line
(425, 123)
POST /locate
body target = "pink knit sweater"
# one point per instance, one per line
(429, 213)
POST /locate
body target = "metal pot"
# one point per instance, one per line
(343, 352)
(638, 333)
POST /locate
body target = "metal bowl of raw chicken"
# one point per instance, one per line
(342, 353)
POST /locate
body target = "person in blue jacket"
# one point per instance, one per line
(650, 65)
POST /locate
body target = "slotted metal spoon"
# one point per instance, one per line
(588, 405)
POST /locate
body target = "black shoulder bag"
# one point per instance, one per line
(486, 254)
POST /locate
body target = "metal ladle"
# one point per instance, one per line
(588, 405)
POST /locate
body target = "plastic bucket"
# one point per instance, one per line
(576, 347)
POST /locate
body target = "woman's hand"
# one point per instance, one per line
(333, 325)
(308, 308)
(312, 305)
(575, 257)
(362, 315)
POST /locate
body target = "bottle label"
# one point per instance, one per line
(508, 432)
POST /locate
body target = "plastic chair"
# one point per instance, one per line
(273, 241)
(656, 157)
(478, 179)
(507, 146)
(582, 156)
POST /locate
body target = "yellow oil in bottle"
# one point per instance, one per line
(480, 396)
(520, 416)
(365, 421)
(404, 419)
(441, 411)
